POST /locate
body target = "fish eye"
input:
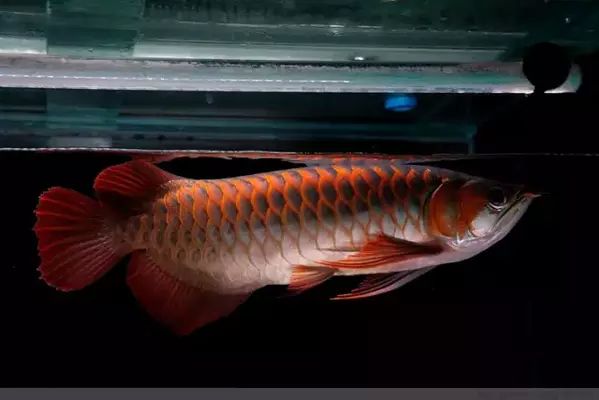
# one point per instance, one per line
(497, 197)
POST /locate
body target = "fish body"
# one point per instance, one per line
(201, 247)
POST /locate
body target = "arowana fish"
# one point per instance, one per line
(200, 248)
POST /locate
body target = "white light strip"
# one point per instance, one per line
(39, 71)
(299, 53)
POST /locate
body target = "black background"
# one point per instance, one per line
(523, 313)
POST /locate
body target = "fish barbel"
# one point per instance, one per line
(200, 248)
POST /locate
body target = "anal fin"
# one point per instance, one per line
(179, 306)
(382, 283)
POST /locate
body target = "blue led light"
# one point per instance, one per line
(400, 102)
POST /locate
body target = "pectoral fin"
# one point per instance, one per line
(384, 250)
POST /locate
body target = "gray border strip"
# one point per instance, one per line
(296, 393)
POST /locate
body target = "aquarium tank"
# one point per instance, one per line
(188, 183)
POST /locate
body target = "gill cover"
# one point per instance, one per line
(453, 206)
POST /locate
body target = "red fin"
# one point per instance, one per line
(75, 241)
(304, 278)
(382, 283)
(124, 188)
(384, 250)
(181, 307)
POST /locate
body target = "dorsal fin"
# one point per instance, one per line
(125, 188)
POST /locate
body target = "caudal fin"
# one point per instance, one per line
(75, 241)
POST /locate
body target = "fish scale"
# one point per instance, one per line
(325, 201)
(265, 212)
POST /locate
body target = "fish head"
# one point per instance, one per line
(473, 214)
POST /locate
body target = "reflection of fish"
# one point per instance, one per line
(201, 247)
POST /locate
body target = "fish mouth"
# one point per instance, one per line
(532, 195)
(512, 214)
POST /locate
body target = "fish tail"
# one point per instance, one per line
(76, 239)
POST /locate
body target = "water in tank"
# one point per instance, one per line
(298, 193)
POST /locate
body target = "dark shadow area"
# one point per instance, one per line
(544, 122)
(522, 313)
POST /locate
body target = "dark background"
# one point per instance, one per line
(522, 313)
